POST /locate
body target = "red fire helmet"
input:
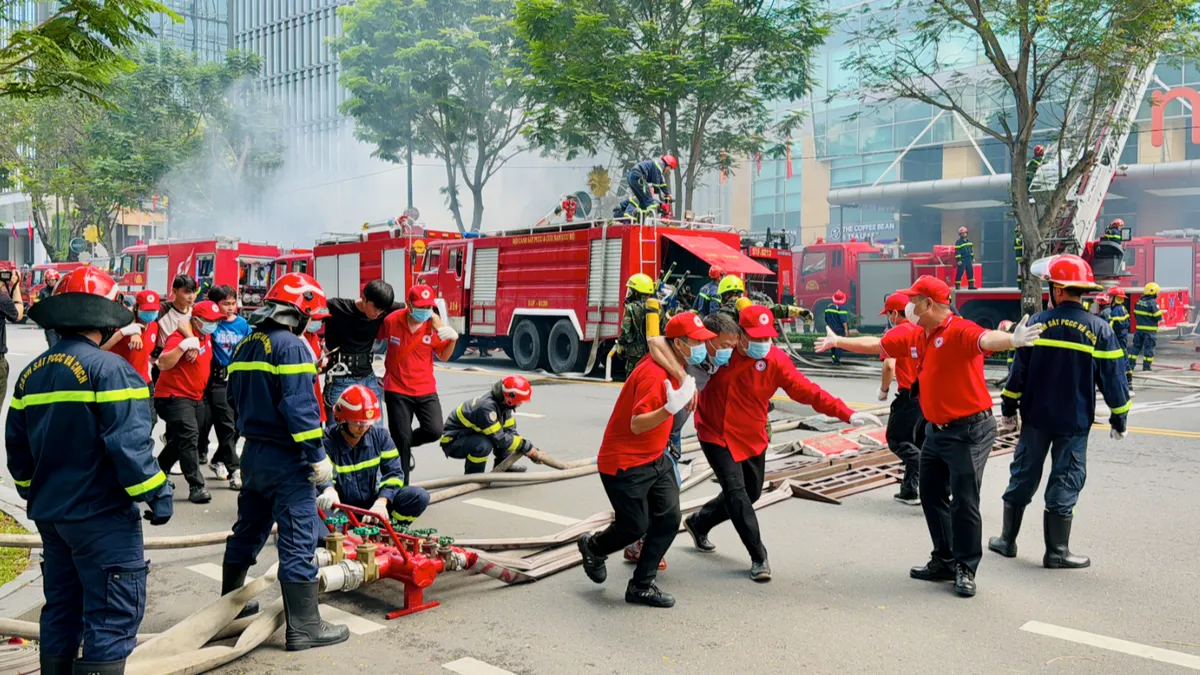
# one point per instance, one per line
(1117, 292)
(1039, 150)
(670, 162)
(1070, 271)
(51, 277)
(357, 404)
(839, 298)
(300, 291)
(1117, 222)
(716, 272)
(513, 391)
(84, 298)
(962, 230)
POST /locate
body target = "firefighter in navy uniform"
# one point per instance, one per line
(366, 463)
(964, 256)
(732, 288)
(51, 279)
(709, 300)
(1113, 231)
(485, 426)
(1053, 384)
(1019, 252)
(1146, 315)
(1118, 318)
(1031, 167)
(272, 380)
(80, 452)
(648, 180)
(838, 321)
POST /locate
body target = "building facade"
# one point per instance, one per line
(205, 30)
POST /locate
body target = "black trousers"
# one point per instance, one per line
(645, 501)
(741, 486)
(952, 462)
(401, 409)
(218, 414)
(905, 436)
(182, 417)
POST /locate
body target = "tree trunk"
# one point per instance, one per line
(452, 192)
(477, 213)
(409, 152)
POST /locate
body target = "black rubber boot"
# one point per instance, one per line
(233, 578)
(1058, 538)
(57, 665)
(1006, 543)
(305, 628)
(99, 667)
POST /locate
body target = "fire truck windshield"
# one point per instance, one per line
(813, 262)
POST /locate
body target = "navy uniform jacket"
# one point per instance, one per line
(485, 416)
(272, 381)
(1118, 318)
(1112, 234)
(650, 172)
(78, 436)
(709, 301)
(1054, 382)
(1147, 314)
(366, 472)
(964, 251)
(837, 319)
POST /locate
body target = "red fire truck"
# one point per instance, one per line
(296, 260)
(344, 263)
(774, 252)
(133, 269)
(37, 276)
(550, 296)
(222, 260)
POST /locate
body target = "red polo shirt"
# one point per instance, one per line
(906, 369)
(188, 378)
(950, 364)
(644, 392)
(139, 358)
(408, 364)
(746, 386)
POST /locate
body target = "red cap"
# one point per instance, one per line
(894, 303)
(420, 296)
(147, 300)
(207, 311)
(934, 289)
(758, 322)
(688, 324)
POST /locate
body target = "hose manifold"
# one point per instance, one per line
(344, 576)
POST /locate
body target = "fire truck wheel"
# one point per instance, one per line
(562, 348)
(529, 345)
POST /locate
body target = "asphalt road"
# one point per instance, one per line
(840, 602)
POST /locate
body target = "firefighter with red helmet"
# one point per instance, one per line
(272, 390)
(648, 185)
(80, 453)
(366, 464)
(1053, 385)
(486, 425)
(1031, 168)
(837, 317)
(709, 300)
(1113, 231)
(1118, 318)
(51, 279)
(964, 256)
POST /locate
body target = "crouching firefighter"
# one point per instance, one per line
(366, 464)
(80, 452)
(486, 426)
(272, 390)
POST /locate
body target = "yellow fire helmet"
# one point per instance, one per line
(1151, 289)
(641, 283)
(730, 283)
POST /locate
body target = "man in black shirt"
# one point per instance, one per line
(12, 308)
(350, 334)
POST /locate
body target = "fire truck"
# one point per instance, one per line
(230, 261)
(773, 251)
(550, 296)
(296, 260)
(344, 263)
(37, 276)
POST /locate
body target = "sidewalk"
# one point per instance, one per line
(24, 593)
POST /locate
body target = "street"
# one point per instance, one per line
(841, 600)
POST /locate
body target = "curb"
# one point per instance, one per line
(24, 593)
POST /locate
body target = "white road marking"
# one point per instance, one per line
(521, 414)
(210, 570)
(521, 511)
(1114, 644)
(470, 666)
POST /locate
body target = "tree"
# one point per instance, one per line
(440, 71)
(689, 77)
(76, 50)
(1066, 61)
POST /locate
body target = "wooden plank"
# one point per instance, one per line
(805, 493)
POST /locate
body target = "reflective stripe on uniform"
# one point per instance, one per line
(307, 435)
(108, 396)
(1149, 314)
(369, 464)
(1063, 344)
(389, 454)
(264, 367)
(477, 460)
(1114, 354)
(1123, 409)
(403, 519)
(510, 423)
(1118, 318)
(22, 483)
(392, 481)
(147, 485)
(471, 425)
(1010, 394)
(446, 439)
(830, 310)
(516, 443)
(1148, 329)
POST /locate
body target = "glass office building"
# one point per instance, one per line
(205, 30)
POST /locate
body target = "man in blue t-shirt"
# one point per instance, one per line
(225, 339)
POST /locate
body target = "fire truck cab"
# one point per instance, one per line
(243, 265)
(344, 263)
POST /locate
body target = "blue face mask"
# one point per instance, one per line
(314, 327)
(758, 350)
(723, 356)
(147, 317)
(208, 328)
(699, 353)
(421, 315)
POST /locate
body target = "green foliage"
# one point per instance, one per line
(691, 77)
(76, 50)
(13, 561)
(438, 71)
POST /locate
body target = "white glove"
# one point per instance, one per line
(191, 344)
(134, 328)
(1025, 333)
(1116, 435)
(446, 334)
(677, 399)
(322, 472)
(1007, 425)
(882, 394)
(326, 499)
(828, 342)
(859, 419)
(380, 507)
